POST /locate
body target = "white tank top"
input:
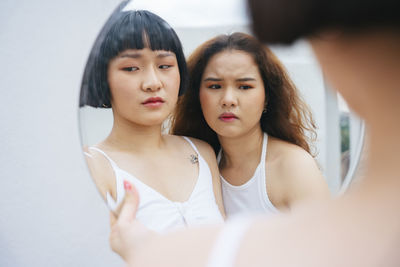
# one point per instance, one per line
(251, 197)
(161, 214)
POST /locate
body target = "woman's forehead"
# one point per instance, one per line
(231, 63)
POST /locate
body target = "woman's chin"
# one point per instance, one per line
(229, 133)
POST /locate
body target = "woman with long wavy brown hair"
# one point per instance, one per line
(242, 102)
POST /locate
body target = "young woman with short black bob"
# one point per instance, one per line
(137, 68)
(241, 101)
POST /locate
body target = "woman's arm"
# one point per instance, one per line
(296, 239)
(101, 173)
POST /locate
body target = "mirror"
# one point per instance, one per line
(340, 132)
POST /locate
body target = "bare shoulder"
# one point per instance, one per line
(203, 147)
(290, 157)
(297, 172)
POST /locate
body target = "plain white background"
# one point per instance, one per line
(50, 212)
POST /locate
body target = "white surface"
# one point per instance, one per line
(204, 13)
(50, 212)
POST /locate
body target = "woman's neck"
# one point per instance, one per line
(126, 136)
(235, 149)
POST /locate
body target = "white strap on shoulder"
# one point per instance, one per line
(113, 164)
(264, 148)
(87, 154)
(112, 204)
(228, 242)
(191, 143)
(219, 156)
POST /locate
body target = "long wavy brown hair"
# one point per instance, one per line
(287, 117)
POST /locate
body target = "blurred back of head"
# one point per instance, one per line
(284, 21)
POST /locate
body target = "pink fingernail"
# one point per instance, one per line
(127, 186)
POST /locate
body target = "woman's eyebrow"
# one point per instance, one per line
(212, 79)
(165, 54)
(131, 55)
(246, 79)
(139, 55)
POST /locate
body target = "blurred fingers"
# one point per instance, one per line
(130, 204)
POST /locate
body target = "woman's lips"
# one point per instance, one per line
(228, 117)
(153, 102)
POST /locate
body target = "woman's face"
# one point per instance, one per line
(144, 85)
(232, 94)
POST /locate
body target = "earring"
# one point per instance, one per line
(105, 106)
(265, 109)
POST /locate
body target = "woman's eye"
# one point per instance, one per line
(214, 86)
(130, 69)
(165, 66)
(245, 87)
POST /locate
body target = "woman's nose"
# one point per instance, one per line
(229, 98)
(151, 81)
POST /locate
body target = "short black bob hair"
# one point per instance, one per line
(132, 29)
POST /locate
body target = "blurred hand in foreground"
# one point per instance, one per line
(127, 233)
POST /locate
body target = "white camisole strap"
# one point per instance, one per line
(87, 154)
(113, 164)
(264, 150)
(191, 143)
(112, 204)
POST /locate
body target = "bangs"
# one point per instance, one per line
(138, 30)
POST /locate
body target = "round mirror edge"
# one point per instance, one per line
(354, 168)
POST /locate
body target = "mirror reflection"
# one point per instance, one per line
(238, 128)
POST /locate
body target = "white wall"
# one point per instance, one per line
(50, 212)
